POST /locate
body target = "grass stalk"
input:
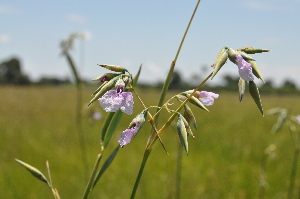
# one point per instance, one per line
(153, 134)
(294, 168)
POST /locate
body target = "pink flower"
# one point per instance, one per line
(206, 98)
(112, 101)
(245, 68)
(134, 127)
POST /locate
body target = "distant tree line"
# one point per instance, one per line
(11, 74)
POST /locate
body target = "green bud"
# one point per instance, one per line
(255, 95)
(182, 133)
(105, 77)
(251, 50)
(189, 116)
(35, 172)
(246, 57)
(114, 68)
(242, 85)
(187, 126)
(194, 101)
(255, 70)
(98, 89)
(104, 89)
(220, 60)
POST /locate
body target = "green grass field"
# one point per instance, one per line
(38, 124)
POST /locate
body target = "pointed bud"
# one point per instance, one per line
(105, 77)
(99, 88)
(220, 60)
(255, 70)
(113, 68)
(104, 89)
(251, 50)
(189, 116)
(255, 95)
(242, 85)
(182, 133)
(245, 56)
(35, 172)
(187, 126)
(194, 101)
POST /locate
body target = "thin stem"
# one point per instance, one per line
(153, 135)
(178, 171)
(91, 181)
(137, 181)
(294, 168)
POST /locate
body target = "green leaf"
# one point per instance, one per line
(255, 95)
(220, 60)
(35, 172)
(112, 127)
(182, 133)
(242, 84)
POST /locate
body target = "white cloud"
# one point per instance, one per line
(87, 35)
(5, 38)
(77, 19)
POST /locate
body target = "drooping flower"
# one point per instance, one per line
(245, 68)
(114, 100)
(206, 98)
(134, 127)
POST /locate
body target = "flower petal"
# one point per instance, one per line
(245, 69)
(126, 136)
(111, 101)
(127, 103)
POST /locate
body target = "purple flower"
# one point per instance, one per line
(206, 98)
(245, 68)
(112, 101)
(134, 127)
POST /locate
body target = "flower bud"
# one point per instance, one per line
(120, 85)
(220, 60)
(105, 77)
(113, 68)
(251, 50)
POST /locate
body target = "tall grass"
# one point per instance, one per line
(37, 124)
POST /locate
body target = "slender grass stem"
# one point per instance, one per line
(178, 171)
(153, 134)
(294, 168)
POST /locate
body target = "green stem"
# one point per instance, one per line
(294, 168)
(153, 134)
(91, 181)
(178, 171)
(137, 181)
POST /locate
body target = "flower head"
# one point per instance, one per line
(206, 98)
(245, 68)
(134, 127)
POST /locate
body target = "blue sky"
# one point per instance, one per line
(133, 32)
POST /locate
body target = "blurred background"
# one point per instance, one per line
(39, 99)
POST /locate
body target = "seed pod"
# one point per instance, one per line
(98, 89)
(187, 126)
(255, 70)
(189, 116)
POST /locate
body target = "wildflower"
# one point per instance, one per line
(206, 98)
(96, 115)
(134, 127)
(245, 68)
(114, 100)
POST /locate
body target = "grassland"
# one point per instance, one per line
(38, 124)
